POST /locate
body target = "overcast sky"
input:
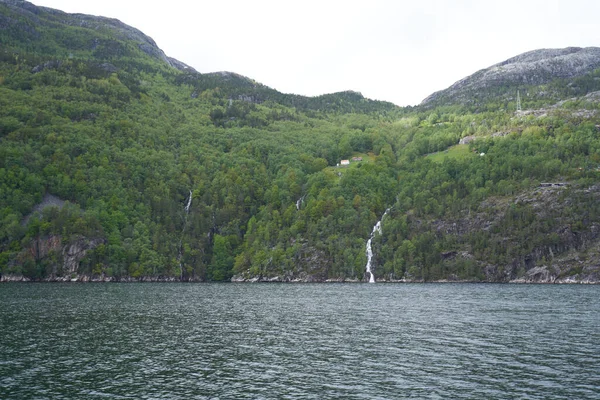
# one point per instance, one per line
(394, 50)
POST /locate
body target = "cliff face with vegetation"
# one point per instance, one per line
(120, 163)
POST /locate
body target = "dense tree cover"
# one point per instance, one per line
(128, 149)
(126, 140)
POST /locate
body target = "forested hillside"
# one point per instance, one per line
(119, 163)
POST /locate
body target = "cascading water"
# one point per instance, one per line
(299, 202)
(185, 221)
(189, 203)
(376, 229)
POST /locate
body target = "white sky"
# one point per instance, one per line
(394, 50)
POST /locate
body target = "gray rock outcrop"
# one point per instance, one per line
(75, 251)
(532, 68)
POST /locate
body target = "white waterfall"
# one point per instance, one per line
(189, 204)
(376, 229)
(369, 257)
(299, 202)
(185, 221)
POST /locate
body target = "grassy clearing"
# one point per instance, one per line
(460, 151)
(367, 158)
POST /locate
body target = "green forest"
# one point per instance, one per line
(154, 172)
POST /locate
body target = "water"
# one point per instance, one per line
(369, 258)
(369, 249)
(304, 341)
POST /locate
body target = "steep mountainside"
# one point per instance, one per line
(533, 68)
(120, 163)
(47, 31)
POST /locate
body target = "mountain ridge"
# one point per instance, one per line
(105, 39)
(534, 67)
(123, 30)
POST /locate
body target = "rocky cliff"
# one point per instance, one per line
(567, 253)
(61, 258)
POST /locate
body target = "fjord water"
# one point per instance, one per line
(350, 341)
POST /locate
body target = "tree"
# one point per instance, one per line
(221, 265)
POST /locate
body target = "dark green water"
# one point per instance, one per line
(278, 341)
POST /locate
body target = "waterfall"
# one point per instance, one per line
(299, 202)
(189, 203)
(376, 229)
(185, 221)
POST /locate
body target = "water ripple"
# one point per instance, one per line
(228, 341)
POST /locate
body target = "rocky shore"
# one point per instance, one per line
(538, 275)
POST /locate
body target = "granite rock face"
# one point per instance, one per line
(75, 251)
(532, 68)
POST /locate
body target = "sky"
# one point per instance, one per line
(393, 50)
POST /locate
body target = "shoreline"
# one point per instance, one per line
(277, 280)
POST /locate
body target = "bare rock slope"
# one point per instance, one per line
(532, 68)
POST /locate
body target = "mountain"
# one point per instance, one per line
(118, 163)
(108, 43)
(50, 32)
(529, 69)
